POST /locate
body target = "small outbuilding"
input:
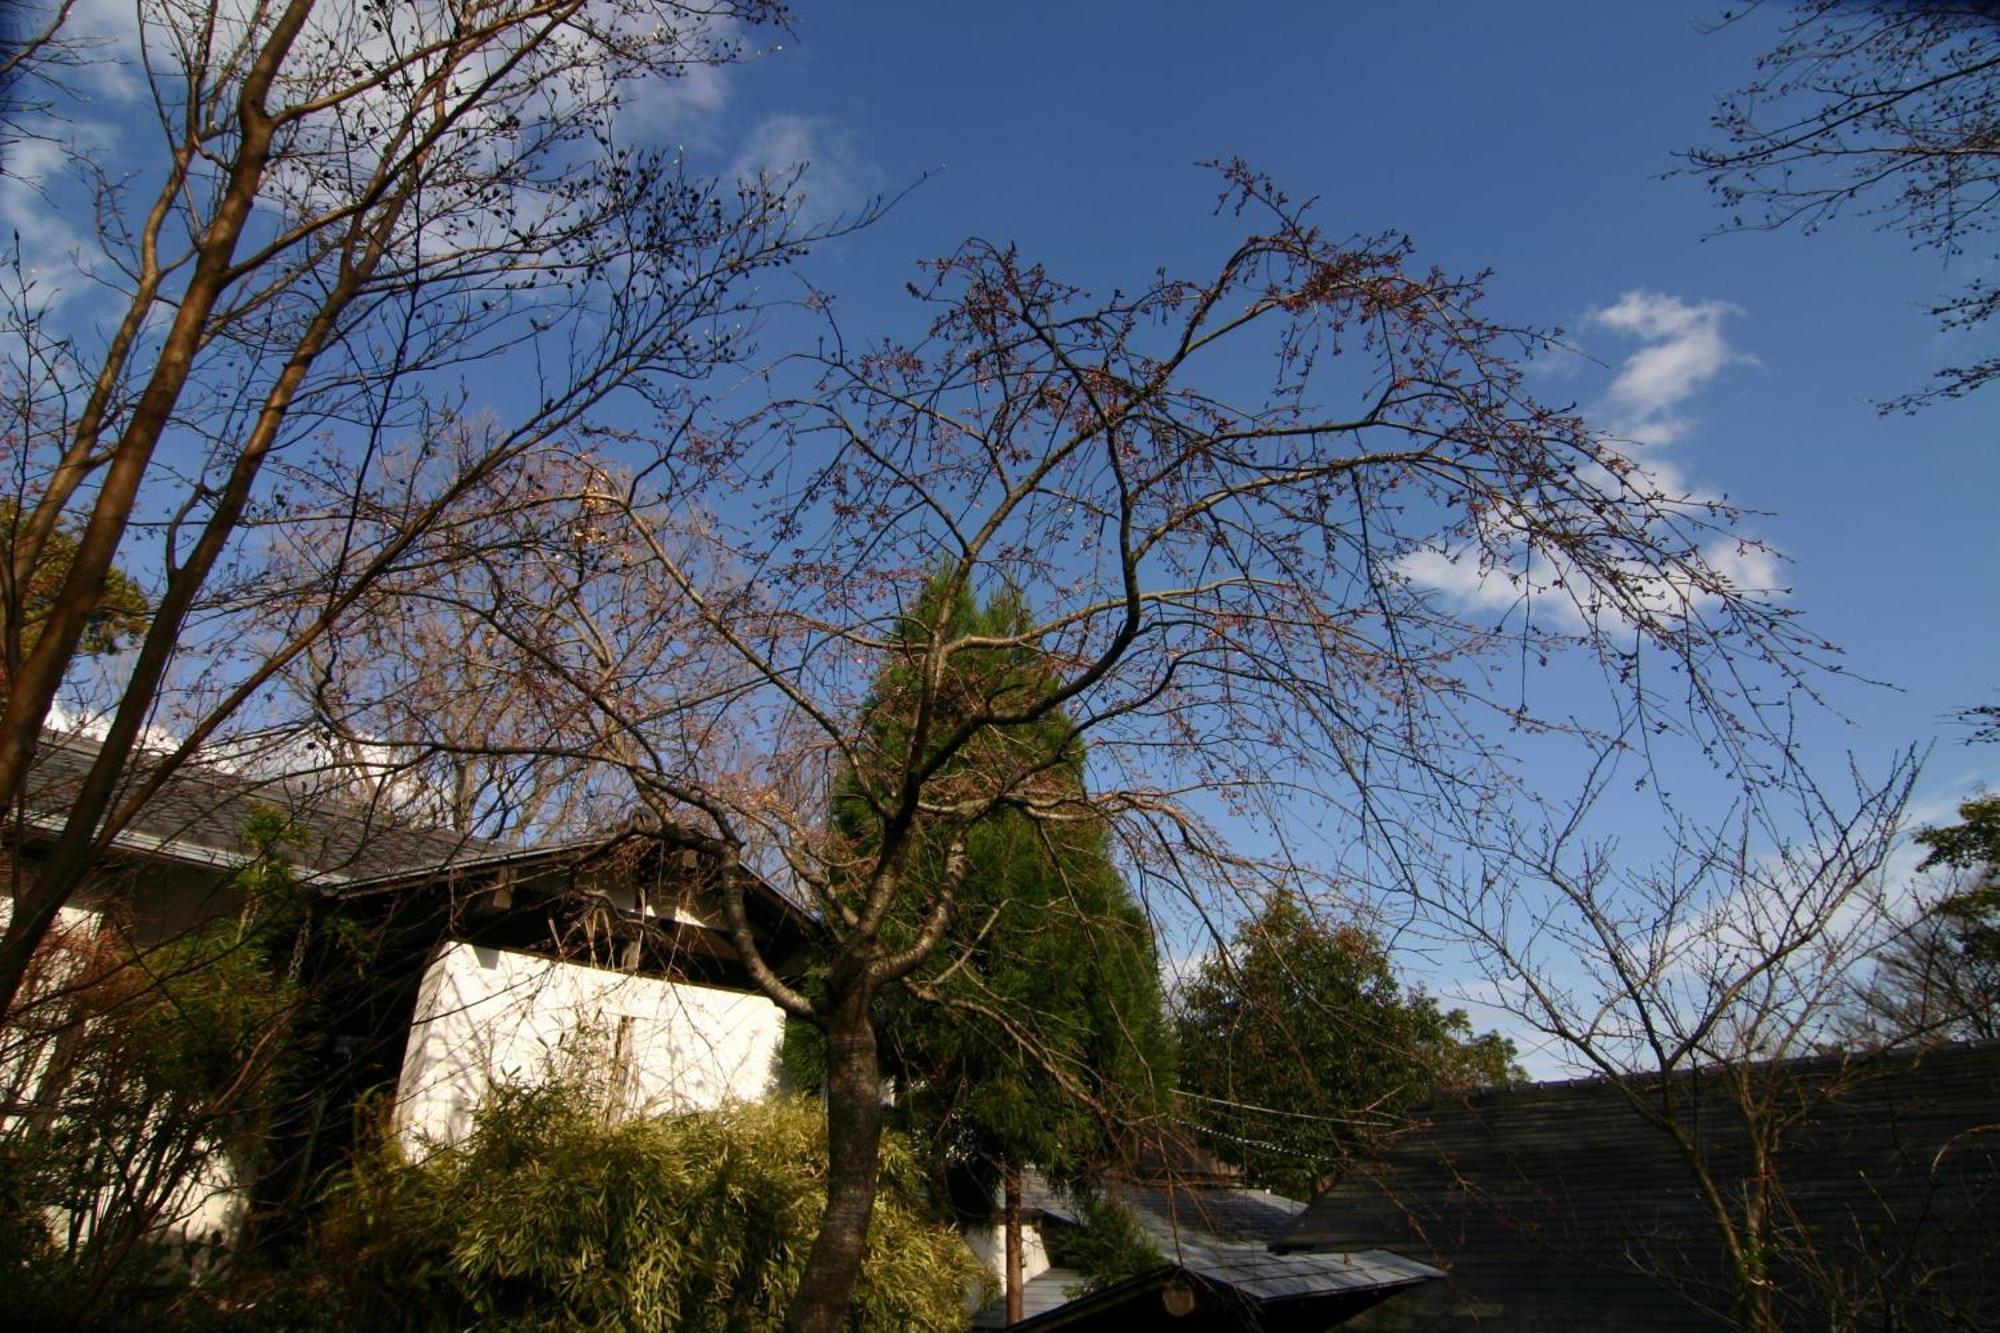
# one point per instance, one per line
(1217, 1270)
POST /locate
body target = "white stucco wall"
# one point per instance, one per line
(989, 1245)
(488, 1017)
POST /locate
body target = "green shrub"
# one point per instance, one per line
(547, 1218)
(155, 1075)
(1107, 1245)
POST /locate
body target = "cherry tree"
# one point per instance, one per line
(1218, 501)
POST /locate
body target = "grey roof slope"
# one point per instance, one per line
(1234, 1287)
(1256, 1271)
(200, 814)
(1559, 1206)
(1219, 1237)
(1172, 1211)
(351, 848)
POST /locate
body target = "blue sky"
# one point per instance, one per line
(1535, 139)
(1532, 138)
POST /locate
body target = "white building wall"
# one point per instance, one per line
(989, 1245)
(488, 1017)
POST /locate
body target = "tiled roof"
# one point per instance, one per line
(1255, 1271)
(1169, 1212)
(1559, 1206)
(200, 814)
(349, 847)
(1218, 1235)
(1247, 1276)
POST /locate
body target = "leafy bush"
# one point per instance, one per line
(151, 1092)
(547, 1218)
(148, 1079)
(1107, 1245)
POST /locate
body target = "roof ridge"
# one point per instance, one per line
(203, 768)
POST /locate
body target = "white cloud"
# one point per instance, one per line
(685, 107)
(682, 108)
(833, 176)
(1748, 568)
(1459, 575)
(38, 196)
(1553, 596)
(1683, 349)
(1559, 361)
(79, 718)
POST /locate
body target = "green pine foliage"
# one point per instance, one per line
(1037, 1030)
(1044, 1037)
(1107, 1245)
(1301, 1046)
(548, 1218)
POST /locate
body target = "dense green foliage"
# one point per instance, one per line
(1107, 1245)
(152, 1078)
(119, 614)
(547, 1218)
(1040, 1035)
(144, 1110)
(1944, 980)
(1971, 846)
(1037, 1029)
(1300, 1046)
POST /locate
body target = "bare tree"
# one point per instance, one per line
(1217, 500)
(425, 700)
(1694, 987)
(1887, 108)
(348, 205)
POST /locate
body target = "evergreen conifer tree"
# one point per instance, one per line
(1038, 1033)
(1301, 1046)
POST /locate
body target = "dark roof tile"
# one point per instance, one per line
(1558, 1205)
(201, 812)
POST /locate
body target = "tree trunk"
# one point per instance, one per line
(1755, 1311)
(31, 690)
(853, 1138)
(1014, 1297)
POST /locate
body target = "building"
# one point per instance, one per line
(1218, 1268)
(1559, 1206)
(485, 964)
